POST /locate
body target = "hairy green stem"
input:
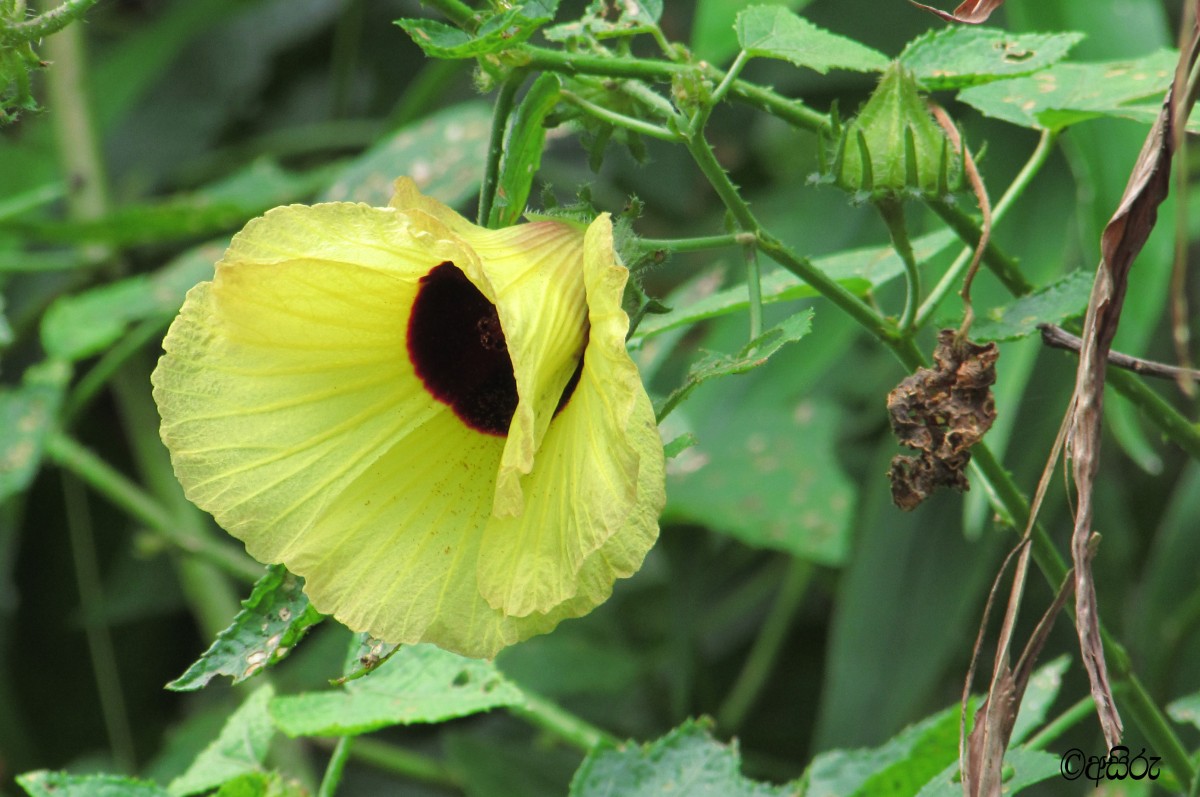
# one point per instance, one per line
(791, 111)
(551, 717)
(126, 495)
(731, 75)
(44, 24)
(763, 654)
(802, 267)
(698, 244)
(491, 172)
(457, 12)
(754, 289)
(337, 763)
(1015, 190)
(892, 211)
(620, 120)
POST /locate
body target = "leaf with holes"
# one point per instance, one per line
(272, 621)
(1066, 94)
(499, 32)
(954, 58)
(605, 20)
(420, 683)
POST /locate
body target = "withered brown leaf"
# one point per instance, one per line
(971, 12)
(1122, 239)
(941, 412)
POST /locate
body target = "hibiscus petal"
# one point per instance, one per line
(594, 497)
(287, 375)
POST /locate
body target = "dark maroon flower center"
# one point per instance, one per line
(458, 350)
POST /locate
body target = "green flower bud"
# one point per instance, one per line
(894, 148)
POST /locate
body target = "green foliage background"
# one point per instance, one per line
(787, 599)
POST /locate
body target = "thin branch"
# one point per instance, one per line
(43, 25)
(1058, 338)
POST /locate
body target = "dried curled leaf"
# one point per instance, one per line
(971, 12)
(941, 412)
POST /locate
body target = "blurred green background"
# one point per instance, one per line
(208, 112)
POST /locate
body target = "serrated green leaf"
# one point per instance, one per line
(497, 33)
(767, 475)
(752, 355)
(687, 761)
(443, 153)
(775, 32)
(262, 784)
(1062, 299)
(858, 270)
(523, 151)
(713, 36)
(61, 784)
(1023, 766)
(79, 326)
(240, 748)
(962, 56)
(420, 683)
(272, 621)
(598, 21)
(1066, 94)
(27, 416)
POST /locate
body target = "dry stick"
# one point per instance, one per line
(1180, 333)
(985, 208)
(976, 772)
(1058, 338)
(1122, 239)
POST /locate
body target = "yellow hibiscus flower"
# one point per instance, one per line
(437, 425)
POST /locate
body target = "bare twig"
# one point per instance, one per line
(1058, 338)
(1180, 332)
(985, 207)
